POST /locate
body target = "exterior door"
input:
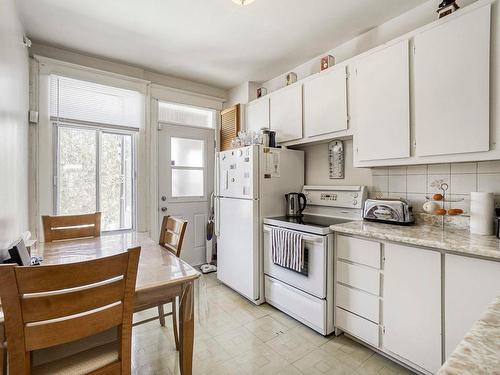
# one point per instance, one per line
(185, 178)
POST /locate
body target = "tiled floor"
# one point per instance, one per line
(233, 336)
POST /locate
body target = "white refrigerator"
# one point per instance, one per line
(251, 183)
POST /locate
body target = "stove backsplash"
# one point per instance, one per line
(416, 181)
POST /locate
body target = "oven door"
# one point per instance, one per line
(312, 279)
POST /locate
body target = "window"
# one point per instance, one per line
(181, 114)
(187, 162)
(94, 167)
(94, 172)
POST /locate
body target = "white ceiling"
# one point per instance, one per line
(211, 41)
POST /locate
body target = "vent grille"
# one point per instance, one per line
(229, 126)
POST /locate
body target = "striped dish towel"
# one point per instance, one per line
(287, 248)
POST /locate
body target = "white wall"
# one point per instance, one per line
(381, 34)
(14, 67)
(317, 168)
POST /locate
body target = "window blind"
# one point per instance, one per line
(77, 100)
(182, 114)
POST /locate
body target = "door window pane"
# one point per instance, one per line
(187, 183)
(76, 171)
(115, 181)
(186, 152)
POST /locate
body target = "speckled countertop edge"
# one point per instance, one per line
(479, 352)
(453, 240)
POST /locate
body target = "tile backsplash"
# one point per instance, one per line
(414, 182)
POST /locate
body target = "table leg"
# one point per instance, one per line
(186, 329)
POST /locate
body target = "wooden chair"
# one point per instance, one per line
(66, 227)
(46, 306)
(171, 238)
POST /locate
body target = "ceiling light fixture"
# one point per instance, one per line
(243, 2)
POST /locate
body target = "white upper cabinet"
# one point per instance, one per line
(286, 113)
(257, 114)
(452, 65)
(381, 108)
(411, 307)
(325, 102)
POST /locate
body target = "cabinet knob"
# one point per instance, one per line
(164, 209)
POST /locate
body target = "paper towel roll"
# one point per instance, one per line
(482, 207)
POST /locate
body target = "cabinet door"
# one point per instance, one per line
(286, 113)
(325, 103)
(470, 286)
(257, 114)
(381, 104)
(452, 86)
(411, 307)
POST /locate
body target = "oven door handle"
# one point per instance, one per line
(304, 237)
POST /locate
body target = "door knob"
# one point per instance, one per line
(164, 209)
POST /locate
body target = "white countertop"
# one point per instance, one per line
(453, 240)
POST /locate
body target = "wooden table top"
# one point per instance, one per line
(157, 266)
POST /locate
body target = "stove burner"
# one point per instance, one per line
(312, 220)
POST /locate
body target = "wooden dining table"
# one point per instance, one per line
(161, 275)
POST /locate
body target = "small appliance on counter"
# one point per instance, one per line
(390, 211)
(295, 204)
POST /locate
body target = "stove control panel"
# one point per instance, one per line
(336, 196)
(328, 197)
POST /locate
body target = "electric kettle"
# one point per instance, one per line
(295, 204)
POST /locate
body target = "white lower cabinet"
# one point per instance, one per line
(358, 326)
(357, 292)
(394, 304)
(411, 306)
(470, 286)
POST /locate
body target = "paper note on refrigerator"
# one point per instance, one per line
(273, 164)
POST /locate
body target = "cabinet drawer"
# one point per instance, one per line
(302, 306)
(357, 326)
(359, 251)
(360, 277)
(358, 302)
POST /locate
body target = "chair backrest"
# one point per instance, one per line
(71, 226)
(49, 305)
(172, 234)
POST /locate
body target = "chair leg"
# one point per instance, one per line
(161, 315)
(174, 323)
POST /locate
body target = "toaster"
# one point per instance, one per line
(391, 211)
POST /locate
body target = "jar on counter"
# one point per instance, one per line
(264, 132)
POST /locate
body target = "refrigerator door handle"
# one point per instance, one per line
(217, 175)
(217, 214)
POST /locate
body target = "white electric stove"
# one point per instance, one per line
(308, 295)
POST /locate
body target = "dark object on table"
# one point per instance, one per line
(447, 7)
(19, 254)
